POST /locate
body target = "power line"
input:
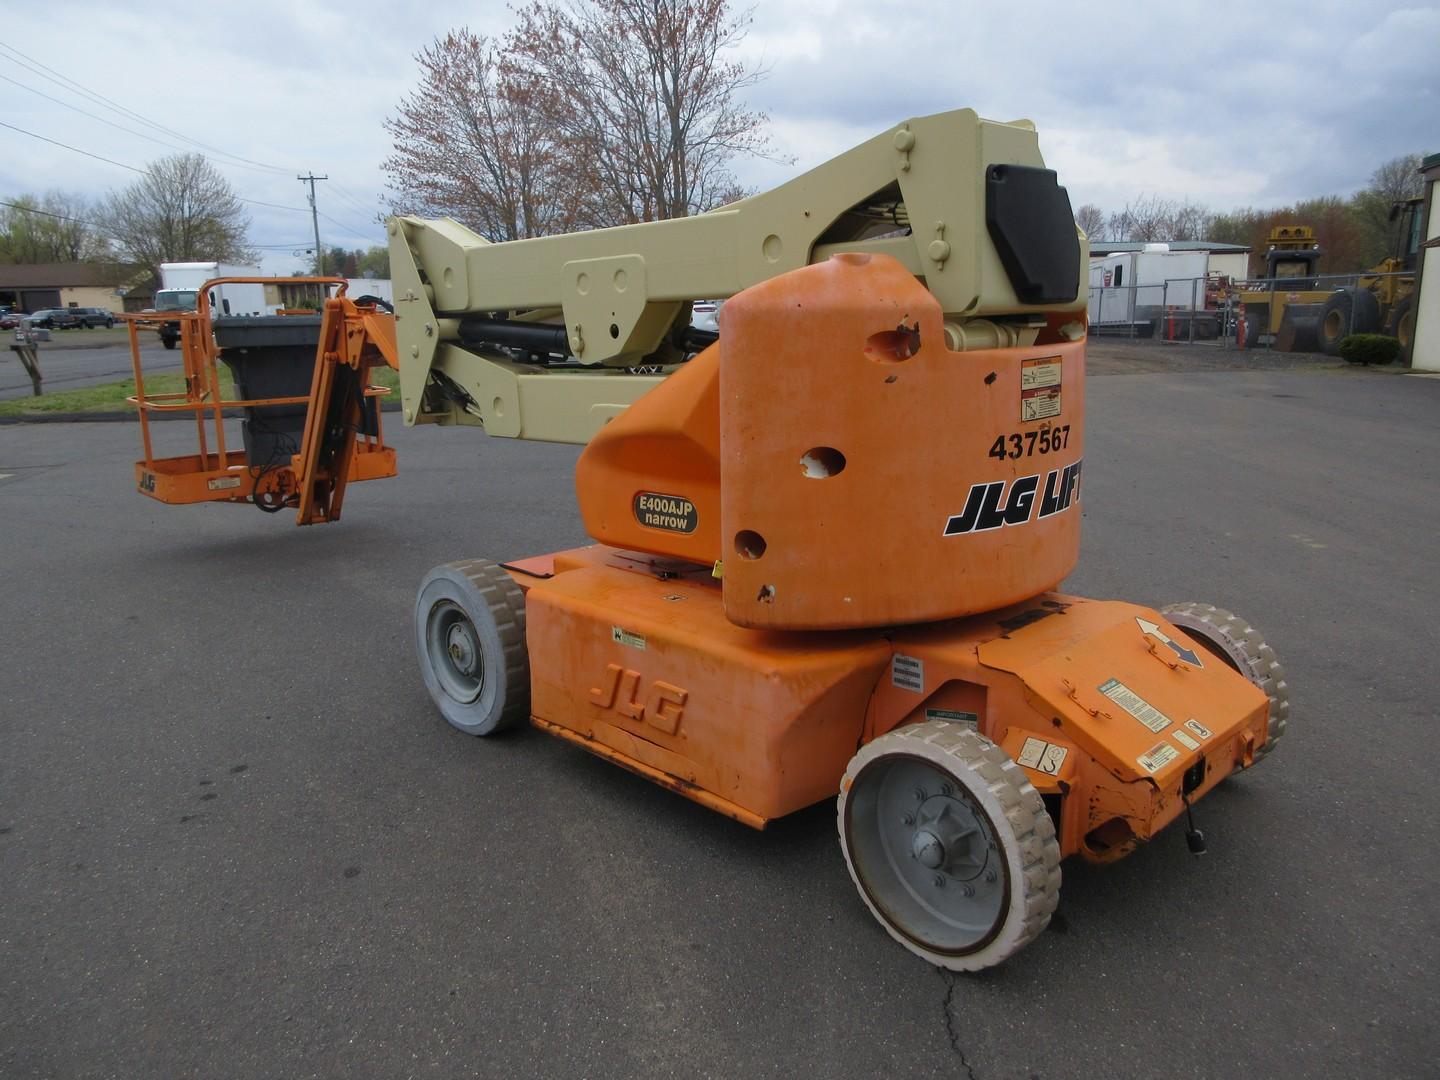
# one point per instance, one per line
(289, 246)
(94, 116)
(75, 87)
(69, 84)
(67, 146)
(347, 229)
(358, 204)
(49, 213)
(132, 168)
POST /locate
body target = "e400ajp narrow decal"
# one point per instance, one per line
(990, 506)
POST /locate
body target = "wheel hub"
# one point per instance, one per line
(926, 847)
(948, 838)
(460, 644)
(452, 647)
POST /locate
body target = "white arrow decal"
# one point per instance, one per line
(1150, 629)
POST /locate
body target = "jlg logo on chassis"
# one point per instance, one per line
(988, 507)
(619, 691)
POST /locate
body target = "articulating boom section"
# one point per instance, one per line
(541, 339)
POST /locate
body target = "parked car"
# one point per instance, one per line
(9, 317)
(705, 315)
(93, 316)
(54, 318)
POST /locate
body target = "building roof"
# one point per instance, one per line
(65, 275)
(1119, 247)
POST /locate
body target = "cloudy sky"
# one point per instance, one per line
(1228, 104)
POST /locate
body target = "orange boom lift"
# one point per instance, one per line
(827, 543)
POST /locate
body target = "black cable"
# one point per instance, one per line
(281, 450)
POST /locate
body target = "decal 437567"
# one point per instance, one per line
(1028, 443)
(989, 506)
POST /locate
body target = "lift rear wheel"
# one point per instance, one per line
(470, 639)
(1240, 645)
(949, 844)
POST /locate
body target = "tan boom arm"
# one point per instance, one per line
(924, 192)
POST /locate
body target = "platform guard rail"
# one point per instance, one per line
(216, 473)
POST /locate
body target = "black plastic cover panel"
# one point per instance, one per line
(1030, 223)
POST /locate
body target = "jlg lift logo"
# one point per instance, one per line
(619, 690)
(988, 507)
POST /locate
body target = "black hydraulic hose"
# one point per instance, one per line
(536, 337)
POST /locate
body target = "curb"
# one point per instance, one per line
(61, 345)
(130, 416)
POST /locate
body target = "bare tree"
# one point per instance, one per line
(1151, 218)
(1143, 219)
(1393, 182)
(471, 143)
(1091, 220)
(1398, 179)
(1189, 221)
(645, 100)
(51, 228)
(181, 210)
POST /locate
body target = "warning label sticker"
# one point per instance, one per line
(1157, 757)
(1040, 388)
(1042, 756)
(621, 636)
(1042, 371)
(908, 673)
(1185, 740)
(1198, 728)
(220, 483)
(954, 716)
(1135, 705)
(1040, 404)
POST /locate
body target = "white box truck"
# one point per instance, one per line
(1133, 288)
(180, 284)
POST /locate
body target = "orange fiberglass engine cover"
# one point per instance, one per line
(865, 474)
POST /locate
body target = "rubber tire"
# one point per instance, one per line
(168, 342)
(1257, 321)
(1358, 312)
(1017, 814)
(1402, 326)
(1241, 646)
(495, 607)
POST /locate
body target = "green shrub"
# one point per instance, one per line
(1370, 349)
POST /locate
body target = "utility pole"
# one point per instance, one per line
(315, 220)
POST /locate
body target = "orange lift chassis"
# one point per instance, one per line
(827, 543)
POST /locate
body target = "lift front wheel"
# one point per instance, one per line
(470, 639)
(949, 844)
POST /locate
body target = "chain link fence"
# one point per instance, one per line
(1243, 314)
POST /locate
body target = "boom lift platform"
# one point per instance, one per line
(342, 439)
(827, 544)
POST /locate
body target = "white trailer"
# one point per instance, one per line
(1134, 287)
(180, 286)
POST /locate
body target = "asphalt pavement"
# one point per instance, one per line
(237, 840)
(68, 361)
